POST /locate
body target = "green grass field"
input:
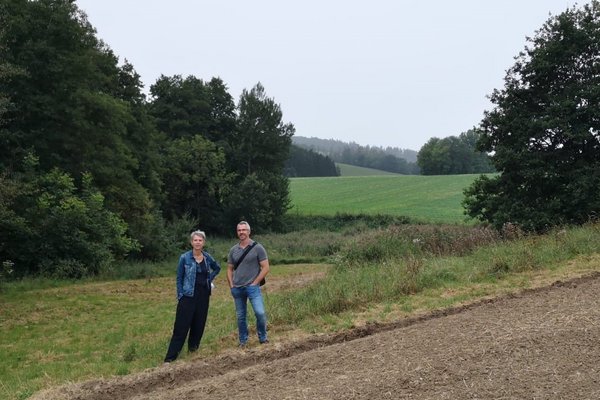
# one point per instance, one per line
(424, 198)
(353, 170)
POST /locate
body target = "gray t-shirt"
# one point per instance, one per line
(249, 269)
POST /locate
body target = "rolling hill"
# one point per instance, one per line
(424, 198)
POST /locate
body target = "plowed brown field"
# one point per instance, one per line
(538, 344)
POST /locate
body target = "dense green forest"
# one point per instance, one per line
(307, 162)
(91, 170)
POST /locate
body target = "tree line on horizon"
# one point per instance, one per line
(452, 155)
(390, 159)
(309, 163)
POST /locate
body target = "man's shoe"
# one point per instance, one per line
(242, 345)
(266, 341)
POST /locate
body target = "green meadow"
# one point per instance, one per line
(353, 170)
(435, 199)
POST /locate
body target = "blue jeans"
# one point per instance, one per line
(241, 295)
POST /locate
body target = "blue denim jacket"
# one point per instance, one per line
(186, 273)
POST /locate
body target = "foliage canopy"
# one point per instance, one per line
(453, 155)
(544, 130)
(91, 170)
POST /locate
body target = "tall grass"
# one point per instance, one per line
(369, 272)
(399, 241)
(308, 241)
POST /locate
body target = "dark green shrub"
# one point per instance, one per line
(53, 228)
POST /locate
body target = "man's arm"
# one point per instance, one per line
(230, 275)
(264, 270)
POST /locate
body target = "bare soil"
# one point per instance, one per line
(539, 344)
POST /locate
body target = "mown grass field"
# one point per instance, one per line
(434, 199)
(353, 170)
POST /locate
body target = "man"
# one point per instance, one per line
(244, 280)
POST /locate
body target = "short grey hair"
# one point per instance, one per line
(198, 233)
(245, 223)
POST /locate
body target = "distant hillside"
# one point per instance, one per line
(353, 170)
(435, 199)
(331, 147)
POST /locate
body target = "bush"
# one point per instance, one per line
(51, 227)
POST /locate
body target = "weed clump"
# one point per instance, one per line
(406, 241)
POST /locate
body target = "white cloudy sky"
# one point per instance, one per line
(379, 72)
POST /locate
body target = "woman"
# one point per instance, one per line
(195, 272)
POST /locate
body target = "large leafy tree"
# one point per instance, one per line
(262, 139)
(544, 130)
(433, 157)
(75, 108)
(142, 137)
(185, 107)
(453, 155)
(197, 119)
(259, 198)
(196, 181)
(258, 152)
(8, 144)
(63, 94)
(145, 143)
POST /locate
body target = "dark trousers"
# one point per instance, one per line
(190, 317)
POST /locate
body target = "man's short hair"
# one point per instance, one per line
(245, 223)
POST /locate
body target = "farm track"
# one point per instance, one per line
(538, 344)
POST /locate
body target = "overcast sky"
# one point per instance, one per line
(379, 72)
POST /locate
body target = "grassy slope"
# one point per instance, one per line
(425, 198)
(353, 170)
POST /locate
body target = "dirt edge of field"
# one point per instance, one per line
(177, 373)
